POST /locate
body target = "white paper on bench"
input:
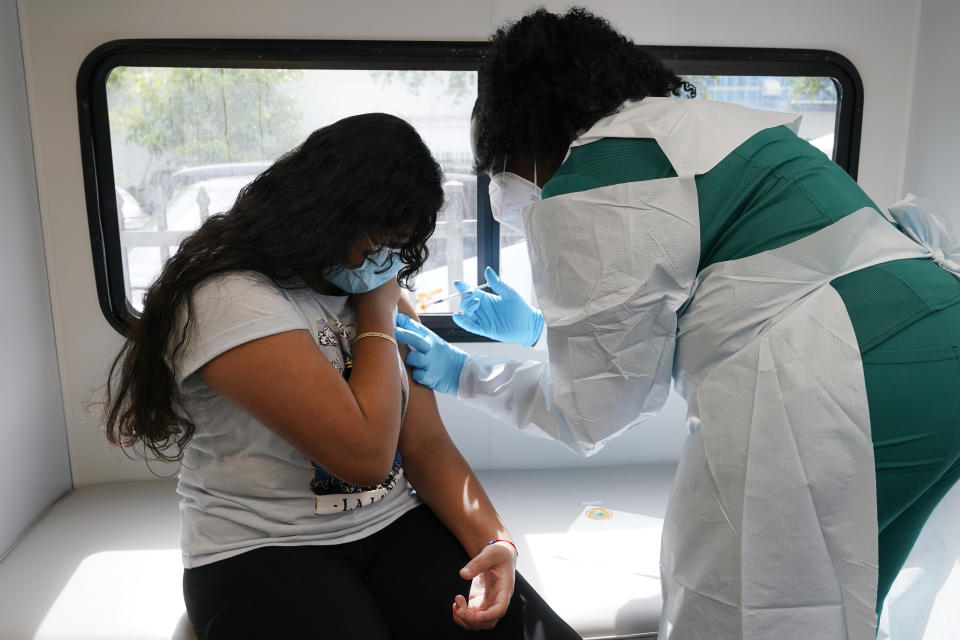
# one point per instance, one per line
(596, 562)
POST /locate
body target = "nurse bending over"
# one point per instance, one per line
(817, 346)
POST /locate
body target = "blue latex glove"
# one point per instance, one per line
(436, 363)
(505, 317)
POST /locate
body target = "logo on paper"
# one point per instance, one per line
(598, 513)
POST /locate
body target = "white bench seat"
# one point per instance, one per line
(103, 562)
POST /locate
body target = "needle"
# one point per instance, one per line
(481, 287)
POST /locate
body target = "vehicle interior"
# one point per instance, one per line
(105, 165)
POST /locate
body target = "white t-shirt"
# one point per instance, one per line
(241, 485)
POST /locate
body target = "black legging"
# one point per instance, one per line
(397, 583)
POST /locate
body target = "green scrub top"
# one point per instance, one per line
(776, 188)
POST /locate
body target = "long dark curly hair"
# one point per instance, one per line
(546, 78)
(368, 174)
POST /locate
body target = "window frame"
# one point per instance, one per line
(742, 61)
(97, 153)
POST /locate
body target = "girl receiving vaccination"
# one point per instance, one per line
(265, 362)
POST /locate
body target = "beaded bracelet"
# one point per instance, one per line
(375, 334)
(508, 542)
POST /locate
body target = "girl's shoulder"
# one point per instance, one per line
(242, 296)
(235, 283)
(231, 299)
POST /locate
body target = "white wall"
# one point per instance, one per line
(34, 468)
(876, 35)
(933, 154)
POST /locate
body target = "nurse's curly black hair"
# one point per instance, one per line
(546, 78)
(367, 174)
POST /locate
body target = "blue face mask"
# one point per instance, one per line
(366, 277)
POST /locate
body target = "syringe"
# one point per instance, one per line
(484, 286)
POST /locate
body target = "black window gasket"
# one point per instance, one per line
(97, 158)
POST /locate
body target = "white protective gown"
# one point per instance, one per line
(771, 529)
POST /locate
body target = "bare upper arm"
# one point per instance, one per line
(406, 307)
(422, 421)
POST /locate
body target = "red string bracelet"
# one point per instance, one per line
(508, 542)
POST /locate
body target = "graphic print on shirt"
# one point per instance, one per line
(334, 343)
(332, 495)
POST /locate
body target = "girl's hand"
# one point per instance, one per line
(383, 299)
(493, 573)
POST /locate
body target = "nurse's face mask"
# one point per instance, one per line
(510, 195)
(377, 268)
